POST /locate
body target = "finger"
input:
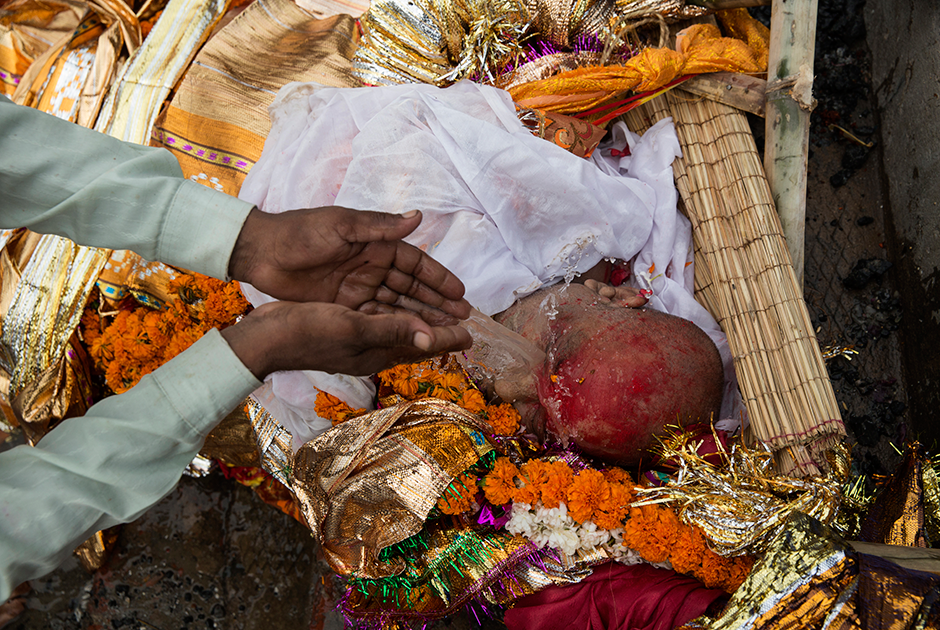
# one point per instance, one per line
(432, 316)
(407, 337)
(635, 301)
(451, 302)
(365, 226)
(412, 262)
(607, 291)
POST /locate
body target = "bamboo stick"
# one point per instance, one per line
(787, 109)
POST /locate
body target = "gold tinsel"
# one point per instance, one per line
(740, 507)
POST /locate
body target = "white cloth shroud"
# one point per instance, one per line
(506, 211)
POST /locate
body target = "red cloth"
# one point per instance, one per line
(616, 597)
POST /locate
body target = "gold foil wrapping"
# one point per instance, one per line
(443, 41)
(742, 506)
(811, 578)
(896, 516)
(46, 281)
(371, 481)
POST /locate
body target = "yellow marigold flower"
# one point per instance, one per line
(500, 483)
(459, 495)
(503, 418)
(588, 490)
(449, 380)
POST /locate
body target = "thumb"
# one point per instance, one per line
(367, 226)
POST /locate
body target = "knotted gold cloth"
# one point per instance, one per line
(811, 578)
(371, 481)
(701, 49)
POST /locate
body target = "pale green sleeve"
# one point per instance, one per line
(113, 463)
(128, 451)
(59, 178)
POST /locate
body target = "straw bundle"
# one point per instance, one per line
(744, 277)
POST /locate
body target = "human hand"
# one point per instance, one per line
(332, 338)
(343, 256)
(623, 295)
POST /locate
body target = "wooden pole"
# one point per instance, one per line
(788, 106)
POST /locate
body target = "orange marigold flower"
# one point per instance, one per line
(331, 408)
(686, 556)
(534, 475)
(449, 380)
(618, 475)
(613, 509)
(555, 488)
(500, 483)
(503, 418)
(459, 495)
(588, 490)
(472, 400)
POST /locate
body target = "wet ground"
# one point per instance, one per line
(213, 555)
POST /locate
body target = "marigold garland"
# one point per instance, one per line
(600, 500)
(139, 339)
(445, 379)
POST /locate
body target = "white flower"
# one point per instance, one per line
(522, 520)
(565, 539)
(590, 536)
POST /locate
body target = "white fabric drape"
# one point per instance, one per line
(506, 211)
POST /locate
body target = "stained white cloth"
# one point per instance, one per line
(506, 211)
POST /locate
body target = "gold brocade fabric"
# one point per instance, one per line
(72, 77)
(94, 552)
(810, 578)
(28, 28)
(46, 281)
(371, 481)
(459, 562)
(218, 120)
(700, 49)
(232, 441)
(896, 517)
(154, 69)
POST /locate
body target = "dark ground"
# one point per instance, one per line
(212, 555)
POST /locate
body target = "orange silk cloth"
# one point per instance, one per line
(700, 49)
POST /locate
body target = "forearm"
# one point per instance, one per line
(60, 178)
(112, 464)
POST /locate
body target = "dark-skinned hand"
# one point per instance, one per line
(333, 338)
(342, 256)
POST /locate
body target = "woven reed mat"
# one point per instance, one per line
(744, 277)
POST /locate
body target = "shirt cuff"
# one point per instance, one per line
(206, 382)
(201, 228)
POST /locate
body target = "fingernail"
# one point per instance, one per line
(422, 341)
(410, 214)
